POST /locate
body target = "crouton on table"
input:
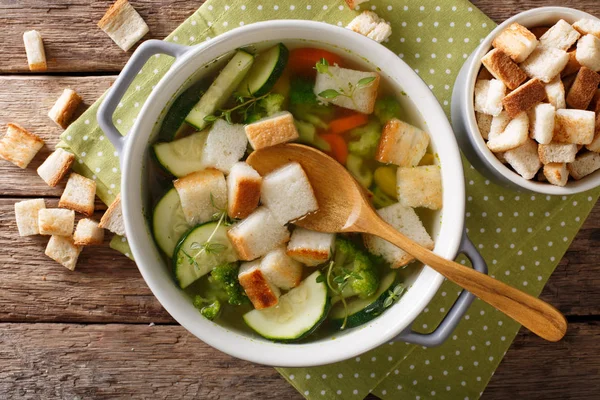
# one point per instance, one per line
(88, 232)
(401, 144)
(62, 111)
(524, 159)
(261, 292)
(280, 269)
(516, 41)
(369, 24)
(56, 221)
(503, 68)
(515, 134)
(309, 247)
(123, 24)
(270, 131)
(489, 95)
(56, 166)
(79, 195)
(202, 194)
(34, 47)
(556, 173)
(341, 87)
(63, 250)
(26, 214)
(584, 165)
(243, 190)
(420, 186)
(19, 146)
(113, 218)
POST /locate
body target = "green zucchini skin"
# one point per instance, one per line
(266, 70)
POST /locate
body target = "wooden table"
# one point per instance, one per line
(99, 333)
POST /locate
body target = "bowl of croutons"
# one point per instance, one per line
(526, 104)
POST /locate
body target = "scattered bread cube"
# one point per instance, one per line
(381, 33)
(123, 24)
(79, 195)
(19, 146)
(62, 111)
(515, 135)
(502, 67)
(583, 88)
(88, 232)
(112, 219)
(56, 221)
(280, 269)
(489, 95)
(557, 153)
(225, 145)
(243, 190)
(401, 144)
(572, 65)
(574, 126)
(584, 165)
(560, 36)
(258, 234)
(309, 247)
(261, 292)
(288, 194)
(63, 250)
(516, 41)
(545, 63)
(353, 3)
(588, 52)
(26, 214)
(370, 25)
(555, 92)
(420, 186)
(587, 26)
(270, 131)
(56, 166)
(499, 124)
(202, 194)
(340, 80)
(34, 47)
(524, 159)
(484, 123)
(541, 123)
(556, 173)
(406, 221)
(524, 97)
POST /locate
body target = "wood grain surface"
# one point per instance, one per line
(87, 334)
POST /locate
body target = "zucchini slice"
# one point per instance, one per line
(168, 222)
(265, 71)
(174, 125)
(182, 156)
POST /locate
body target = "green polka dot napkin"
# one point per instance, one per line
(522, 236)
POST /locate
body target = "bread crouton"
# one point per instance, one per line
(555, 92)
(583, 88)
(574, 126)
(524, 97)
(407, 222)
(262, 293)
(225, 145)
(484, 123)
(62, 111)
(401, 144)
(489, 96)
(258, 234)
(545, 63)
(309, 247)
(370, 25)
(19, 146)
(88, 232)
(112, 219)
(63, 250)
(502, 67)
(588, 52)
(270, 131)
(541, 123)
(587, 26)
(515, 135)
(280, 269)
(353, 3)
(26, 214)
(123, 24)
(34, 47)
(56, 166)
(557, 153)
(524, 159)
(362, 95)
(499, 124)
(79, 195)
(56, 221)
(572, 66)
(584, 165)
(516, 41)
(556, 173)
(420, 186)
(243, 190)
(288, 194)
(560, 36)
(595, 145)
(381, 33)
(202, 194)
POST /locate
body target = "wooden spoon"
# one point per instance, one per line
(344, 207)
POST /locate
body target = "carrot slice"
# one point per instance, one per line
(347, 123)
(339, 148)
(302, 61)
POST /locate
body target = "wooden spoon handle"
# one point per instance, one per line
(536, 315)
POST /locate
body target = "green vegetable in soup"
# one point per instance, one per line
(353, 270)
(210, 309)
(380, 199)
(305, 106)
(361, 173)
(368, 140)
(225, 278)
(387, 108)
(308, 135)
(265, 107)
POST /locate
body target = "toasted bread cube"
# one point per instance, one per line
(541, 123)
(484, 123)
(500, 157)
(382, 31)
(499, 124)
(364, 23)
(420, 186)
(280, 269)
(19, 146)
(583, 89)
(502, 67)
(561, 36)
(587, 26)
(258, 234)
(595, 145)
(88, 232)
(545, 63)
(62, 111)
(524, 159)
(557, 153)
(56, 221)
(243, 190)
(584, 165)
(556, 173)
(63, 250)
(56, 166)
(309, 247)
(572, 66)
(79, 195)
(112, 219)
(515, 135)
(588, 52)
(407, 222)
(353, 3)
(34, 47)
(363, 96)
(287, 193)
(555, 92)
(261, 292)
(489, 96)
(270, 131)
(225, 145)
(401, 144)
(516, 41)
(524, 97)
(26, 214)
(574, 126)
(123, 24)
(202, 194)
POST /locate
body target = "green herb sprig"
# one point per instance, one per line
(322, 67)
(247, 103)
(394, 295)
(337, 281)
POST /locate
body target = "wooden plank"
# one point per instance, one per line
(72, 40)
(504, 9)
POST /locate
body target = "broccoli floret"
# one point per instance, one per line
(368, 139)
(356, 166)
(356, 267)
(265, 107)
(225, 278)
(301, 92)
(387, 108)
(210, 309)
(305, 106)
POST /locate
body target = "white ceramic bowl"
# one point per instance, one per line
(188, 67)
(463, 113)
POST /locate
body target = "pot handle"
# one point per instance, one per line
(458, 309)
(129, 72)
